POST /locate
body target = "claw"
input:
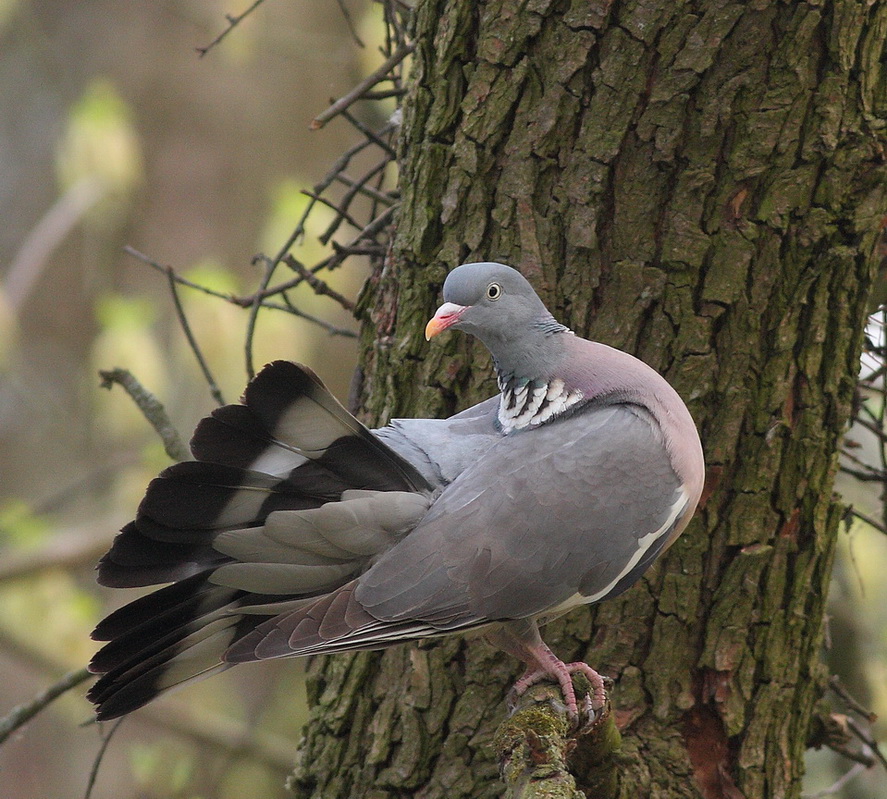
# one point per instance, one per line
(562, 672)
(521, 638)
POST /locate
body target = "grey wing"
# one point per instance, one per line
(565, 514)
(441, 449)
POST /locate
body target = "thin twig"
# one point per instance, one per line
(837, 686)
(211, 729)
(346, 201)
(151, 409)
(375, 138)
(332, 261)
(341, 212)
(365, 85)
(182, 281)
(866, 737)
(192, 342)
(847, 453)
(384, 94)
(838, 785)
(880, 526)
(873, 427)
(240, 302)
(350, 23)
(333, 330)
(386, 198)
(319, 286)
(373, 250)
(338, 167)
(100, 755)
(270, 266)
(233, 22)
(21, 714)
(864, 476)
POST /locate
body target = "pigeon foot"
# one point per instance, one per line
(551, 667)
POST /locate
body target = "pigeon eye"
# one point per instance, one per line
(494, 291)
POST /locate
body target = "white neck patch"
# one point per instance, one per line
(525, 404)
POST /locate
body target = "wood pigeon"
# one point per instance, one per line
(298, 531)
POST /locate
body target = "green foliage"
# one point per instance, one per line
(20, 527)
(100, 140)
(163, 770)
(286, 204)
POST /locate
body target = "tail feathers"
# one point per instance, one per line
(169, 638)
(288, 417)
(134, 629)
(184, 660)
(246, 534)
(136, 560)
(212, 496)
(187, 506)
(313, 451)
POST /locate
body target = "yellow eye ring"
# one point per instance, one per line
(494, 291)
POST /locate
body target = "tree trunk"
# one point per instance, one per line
(701, 184)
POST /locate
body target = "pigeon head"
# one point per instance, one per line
(498, 305)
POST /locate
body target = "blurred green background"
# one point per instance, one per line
(113, 132)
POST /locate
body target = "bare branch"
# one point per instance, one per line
(374, 137)
(330, 328)
(838, 687)
(233, 22)
(332, 261)
(346, 201)
(210, 729)
(384, 94)
(350, 23)
(340, 209)
(100, 756)
(838, 785)
(369, 191)
(866, 737)
(319, 286)
(270, 266)
(21, 714)
(178, 278)
(241, 302)
(192, 342)
(151, 409)
(864, 475)
(872, 427)
(373, 250)
(880, 526)
(365, 85)
(541, 755)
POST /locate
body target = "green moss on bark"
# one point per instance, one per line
(702, 184)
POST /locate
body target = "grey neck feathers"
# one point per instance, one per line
(532, 393)
(549, 326)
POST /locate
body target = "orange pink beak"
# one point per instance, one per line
(446, 316)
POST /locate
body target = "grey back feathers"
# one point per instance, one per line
(296, 530)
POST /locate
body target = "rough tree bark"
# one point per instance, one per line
(702, 184)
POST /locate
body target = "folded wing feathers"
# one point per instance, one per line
(338, 622)
(298, 552)
(251, 531)
(298, 414)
